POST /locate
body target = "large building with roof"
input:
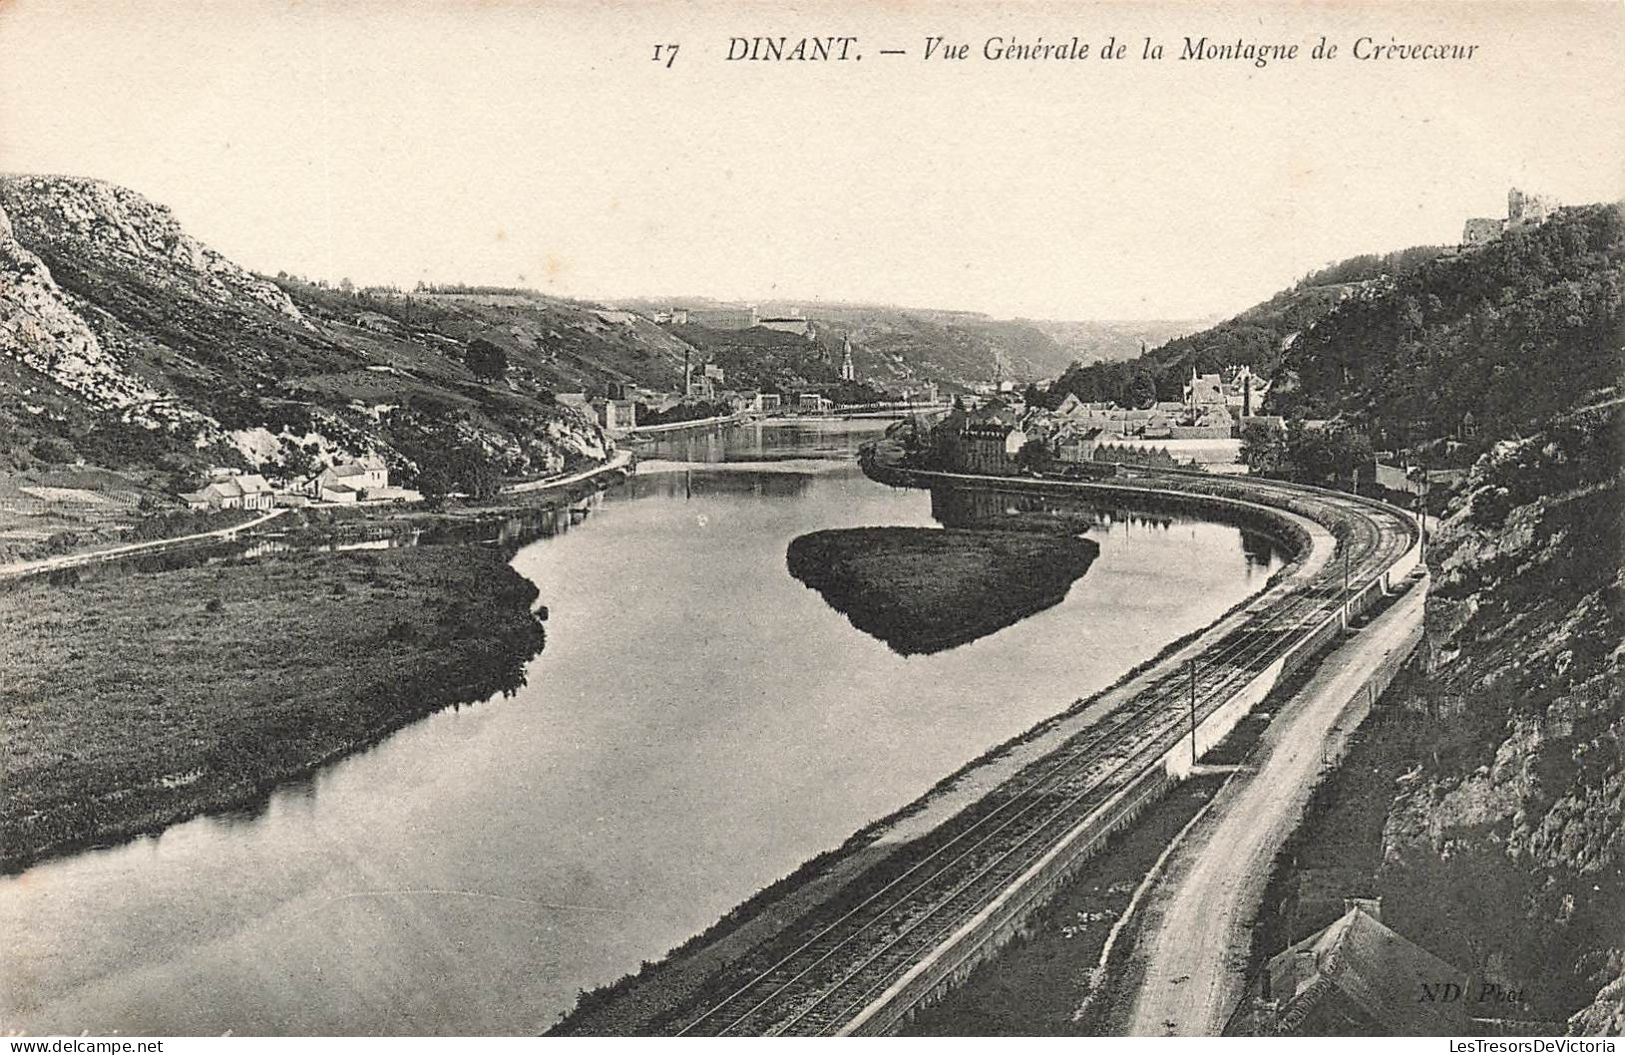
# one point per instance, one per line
(247, 491)
(1359, 978)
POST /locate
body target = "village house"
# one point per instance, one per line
(749, 401)
(1203, 390)
(1208, 423)
(700, 388)
(244, 491)
(660, 402)
(1245, 391)
(350, 482)
(376, 322)
(1272, 422)
(1076, 443)
(614, 415)
(989, 447)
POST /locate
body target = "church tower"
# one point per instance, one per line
(849, 372)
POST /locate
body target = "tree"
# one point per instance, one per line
(54, 450)
(1326, 455)
(1264, 449)
(1142, 391)
(488, 361)
(457, 468)
(1032, 455)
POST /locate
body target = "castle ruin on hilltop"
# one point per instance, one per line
(1523, 210)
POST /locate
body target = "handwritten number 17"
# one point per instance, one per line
(667, 52)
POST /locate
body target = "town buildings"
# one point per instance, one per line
(989, 446)
(1076, 443)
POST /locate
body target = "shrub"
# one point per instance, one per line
(54, 450)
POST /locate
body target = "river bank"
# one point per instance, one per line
(133, 703)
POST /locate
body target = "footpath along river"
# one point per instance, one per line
(698, 724)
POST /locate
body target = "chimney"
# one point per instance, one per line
(1371, 906)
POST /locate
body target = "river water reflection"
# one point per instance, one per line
(698, 725)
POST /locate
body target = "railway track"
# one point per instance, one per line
(826, 969)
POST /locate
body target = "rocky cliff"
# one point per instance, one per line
(1506, 851)
(42, 327)
(131, 344)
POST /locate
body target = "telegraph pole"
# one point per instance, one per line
(1193, 712)
(1345, 584)
(1426, 487)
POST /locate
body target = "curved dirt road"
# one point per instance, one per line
(1194, 937)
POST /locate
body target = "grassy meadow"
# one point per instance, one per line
(130, 702)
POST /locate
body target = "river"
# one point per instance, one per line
(698, 725)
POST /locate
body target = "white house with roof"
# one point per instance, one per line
(245, 491)
(349, 481)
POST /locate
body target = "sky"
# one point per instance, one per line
(540, 144)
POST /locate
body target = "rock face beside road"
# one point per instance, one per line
(1485, 805)
(1524, 798)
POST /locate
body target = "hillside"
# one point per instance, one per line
(1258, 337)
(896, 345)
(769, 359)
(127, 343)
(1484, 800)
(1490, 813)
(1482, 344)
